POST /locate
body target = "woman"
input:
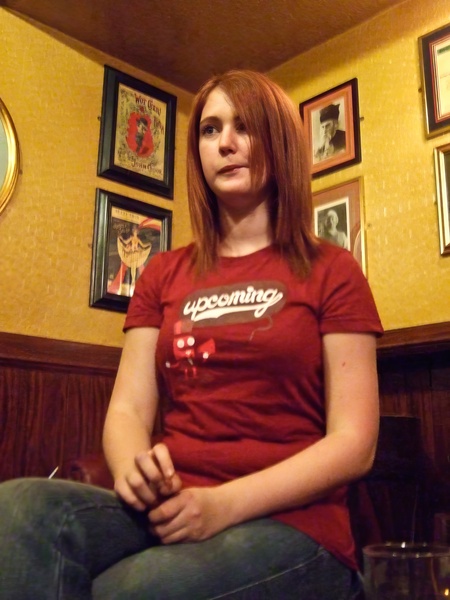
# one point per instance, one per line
(262, 338)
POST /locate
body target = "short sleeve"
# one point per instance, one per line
(145, 308)
(347, 303)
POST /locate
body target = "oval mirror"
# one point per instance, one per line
(9, 156)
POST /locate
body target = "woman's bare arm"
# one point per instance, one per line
(130, 419)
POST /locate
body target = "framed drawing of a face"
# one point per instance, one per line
(331, 122)
(339, 218)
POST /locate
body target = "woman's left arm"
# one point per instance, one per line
(345, 453)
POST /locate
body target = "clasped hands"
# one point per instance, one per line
(175, 514)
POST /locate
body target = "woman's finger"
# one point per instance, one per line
(147, 464)
(164, 460)
(126, 493)
(144, 490)
(171, 486)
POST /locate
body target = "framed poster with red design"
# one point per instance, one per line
(137, 134)
(127, 235)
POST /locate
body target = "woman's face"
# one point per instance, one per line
(224, 147)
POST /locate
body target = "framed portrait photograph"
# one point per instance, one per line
(127, 234)
(434, 51)
(9, 156)
(338, 218)
(442, 167)
(137, 134)
(331, 122)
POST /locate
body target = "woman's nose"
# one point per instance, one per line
(227, 141)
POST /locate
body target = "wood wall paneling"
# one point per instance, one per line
(53, 400)
(419, 386)
(54, 395)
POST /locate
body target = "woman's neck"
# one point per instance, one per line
(244, 234)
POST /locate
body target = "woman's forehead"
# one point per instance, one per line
(217, 100)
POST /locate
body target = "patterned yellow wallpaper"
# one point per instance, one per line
(53, 87)
(409, 277)
(53, 91)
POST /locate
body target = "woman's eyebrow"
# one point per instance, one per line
(214, 120)
(209, 119)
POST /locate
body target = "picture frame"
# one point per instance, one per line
(127, 234)
(9, 156)
(442, 168)
(137, 134)
(345, 227)
(331, 121)
(434, 52)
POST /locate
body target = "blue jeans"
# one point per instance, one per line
(70, 541)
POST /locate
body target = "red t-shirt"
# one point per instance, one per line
(239, 357)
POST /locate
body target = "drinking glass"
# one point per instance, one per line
(442, 528)
(407, 571)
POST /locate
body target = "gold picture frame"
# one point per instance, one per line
(442, 167)
(9, 156)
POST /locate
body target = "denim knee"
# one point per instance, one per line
(262, 559)
(58, 535)
(41, 502)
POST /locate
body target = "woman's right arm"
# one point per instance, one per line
(130, 419)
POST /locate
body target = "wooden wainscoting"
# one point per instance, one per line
(414, 380)
(53, 400)
(54, 395)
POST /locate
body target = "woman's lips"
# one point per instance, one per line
(229, 169)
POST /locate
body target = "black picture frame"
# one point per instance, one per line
(339, 103)
(127, 234)
(137, 134)
(434, 52)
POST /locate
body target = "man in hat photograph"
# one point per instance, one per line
(332, 139)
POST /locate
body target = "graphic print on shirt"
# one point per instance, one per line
(245, 302)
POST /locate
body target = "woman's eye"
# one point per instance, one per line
(241, 127)
(207, 130)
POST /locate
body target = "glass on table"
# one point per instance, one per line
(407, 571)
(442, 528)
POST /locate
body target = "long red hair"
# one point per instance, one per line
(278, 148)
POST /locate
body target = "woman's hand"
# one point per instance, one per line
(193, 515)
(151, 479)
